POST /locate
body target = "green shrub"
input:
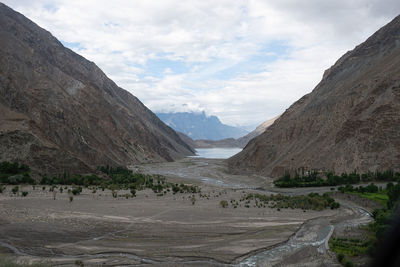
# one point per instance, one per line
(133, 192)
(76, 190)
(24, 193)
(15, 189)
(335, 205)
(340, 257)
(79, 263)
(223, 203)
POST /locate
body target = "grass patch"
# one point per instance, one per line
(350, 246)
(380, 197)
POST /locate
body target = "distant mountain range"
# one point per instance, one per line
(200, 126)
(228, 142)
(350, 121)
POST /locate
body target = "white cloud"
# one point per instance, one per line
(207, 38)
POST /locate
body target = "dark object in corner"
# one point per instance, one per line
(388, 251)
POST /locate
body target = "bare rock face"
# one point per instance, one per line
(60, 112)
(350, 121)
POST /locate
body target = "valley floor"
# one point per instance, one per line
(172, 230)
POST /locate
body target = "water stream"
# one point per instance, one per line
(314, 233)
(323, 229)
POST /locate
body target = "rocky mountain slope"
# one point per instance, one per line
(242, 141)
(228, 142)
(200, 126)
(350, 121)
(59, 112)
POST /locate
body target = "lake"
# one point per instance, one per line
(216, 152)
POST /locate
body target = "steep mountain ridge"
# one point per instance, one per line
(62, 113)
(350, 121)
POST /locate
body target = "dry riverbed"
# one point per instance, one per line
(171, 230)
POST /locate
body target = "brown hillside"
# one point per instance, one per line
(59, 111)
(350, 121)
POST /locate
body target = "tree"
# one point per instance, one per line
(15, 189)
(133, 192)
(223, 203)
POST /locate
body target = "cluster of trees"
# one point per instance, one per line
(330, 179)
(14, 173)
(122, 178)
(183, 188)
(383, 217)
(312, 201)
(371, 188)
(382, 220)
(114, 178)
(392, 191)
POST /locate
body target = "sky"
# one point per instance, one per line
(244, 61)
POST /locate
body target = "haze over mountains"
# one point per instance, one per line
(200, 126)
(228, 142)
(350, 121)
(59, 112)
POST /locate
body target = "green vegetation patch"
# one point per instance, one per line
(314, 178)
(370, 191)
(374, 231)
(350, 246)
(113, 178)
(14, 173)
(312, 201)
(121, 178)
(380, 197)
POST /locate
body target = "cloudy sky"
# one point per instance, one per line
(244, 61)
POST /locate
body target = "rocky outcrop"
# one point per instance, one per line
(350, 121)
(60, 112)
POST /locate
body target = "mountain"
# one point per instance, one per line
(350, 121)
(228, 142)
(200, 126)
(60, 112)
(242, 141)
